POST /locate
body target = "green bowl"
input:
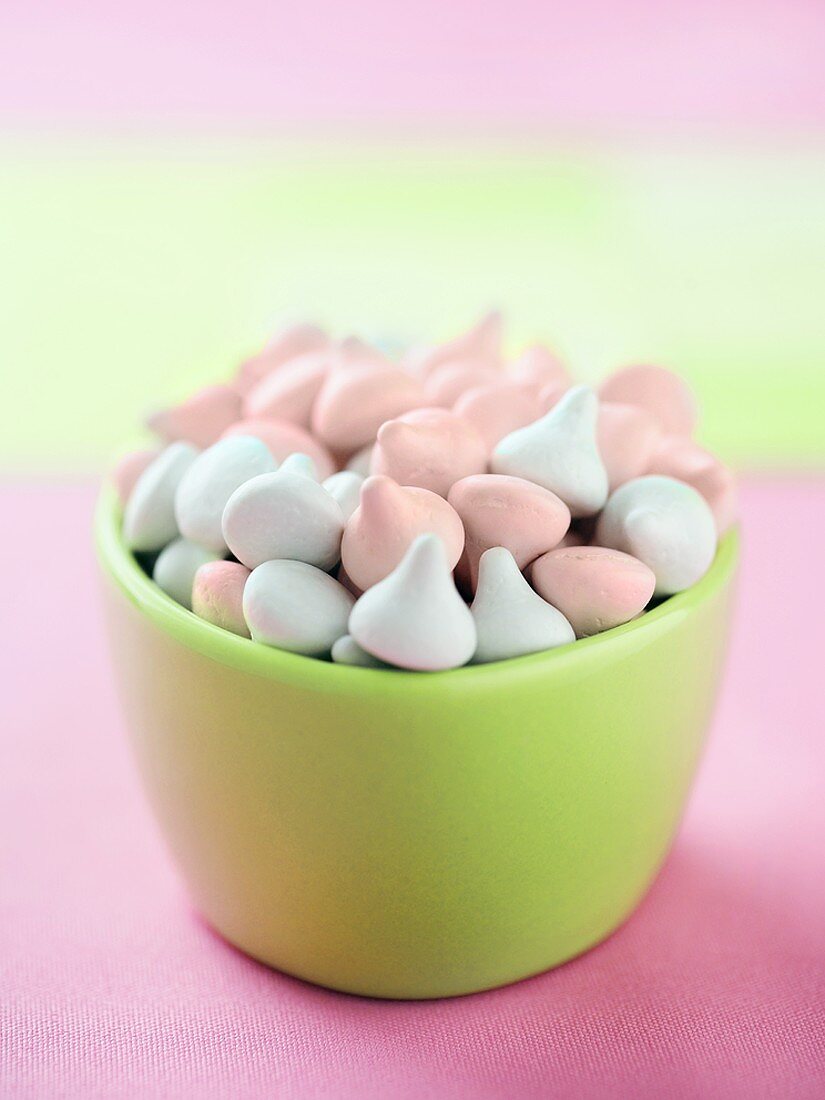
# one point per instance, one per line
(415, 835)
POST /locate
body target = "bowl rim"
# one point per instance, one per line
(227, 648)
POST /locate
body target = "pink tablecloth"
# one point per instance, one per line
(111, 986)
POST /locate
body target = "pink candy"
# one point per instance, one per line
(199, 420)
(289, 392)
(387, 521)
(498, 408)
(480, 344)
(430, 448)
(356, 399)
(498, 510)
(468, 458)
(626, 436)
(217, 595)
(664, 395)
(447, 383)
(539, 367)
(594, 588)
(290, 342)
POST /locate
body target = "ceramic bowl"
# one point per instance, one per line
(413, 835)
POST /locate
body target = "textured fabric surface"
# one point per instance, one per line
(110, 986)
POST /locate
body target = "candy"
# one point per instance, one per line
(594, 587)
(347, 651)
(447, 383)
(149, 517)
(389, 518)
(678, 457)
(217, 595)
(298, 463)
(345, 487)
(481, 343)
(176, 567)
(430, 448)
(658, 391)
(550, 395)
(498, 510)
(626, 436)
(283, 515)
(539, 367)
(287, 344)
(129, 468)
(284, 439)
(211, 480)
(289, 392)
(561, 513)
(498, 408)
(360, 462)
(354, 402)
(511, 619)
(559, 452)
(415, 618)
(201, 419)
(665, 524)
(294, 606)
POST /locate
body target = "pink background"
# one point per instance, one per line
(112, 987)
(592, 64)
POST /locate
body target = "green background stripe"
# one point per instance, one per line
(130, 273)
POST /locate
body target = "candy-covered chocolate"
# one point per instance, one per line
(283, 515)
(201, 419)
(149, 517)
(294, 606)
(430, 448)
(498, 408)
(497, 510)
(387, 521)
(511, 619)
(211, 480)
(289, 392)
(559, 451)
(284, 439)
(664, 523)
(345, 487)
(596, 588)
(347, 651)
(660, 392)
(176, 566)
(217, 595)
(415, 618)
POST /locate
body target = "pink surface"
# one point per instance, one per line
(110, 986)
(593, 63)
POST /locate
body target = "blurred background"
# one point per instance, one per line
(626, 179)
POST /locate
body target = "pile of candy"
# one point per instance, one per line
(423, 514)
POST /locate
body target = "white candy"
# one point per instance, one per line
(511, 619)
(298, 463)
(283, 515)
(559, 452)
(149, 518)
(211, 480)
(347, 651)
(664, 523)
(294, 606)
(345, 487)
(176, 567)
(361, 460)
(414, 618)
